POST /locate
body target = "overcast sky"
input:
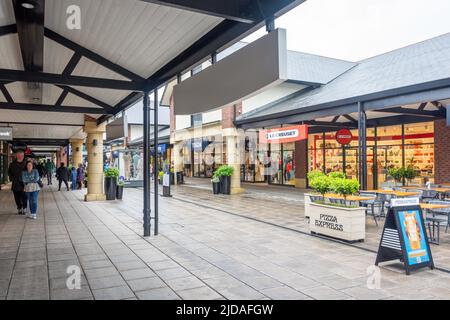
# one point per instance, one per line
(358, 29)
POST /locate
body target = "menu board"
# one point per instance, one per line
(404, 236)
(414, 237)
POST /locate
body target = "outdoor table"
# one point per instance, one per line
(394, 192)
(433, 222)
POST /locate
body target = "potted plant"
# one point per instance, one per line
(216, 184)
(224, 173)
(120, 186)
(397, 174)
(409, 173)
(160, 177)
(111, 175)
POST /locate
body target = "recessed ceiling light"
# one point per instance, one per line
(27, 5)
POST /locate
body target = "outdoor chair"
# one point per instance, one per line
(445, 212)
(372, 205)
(428, 195)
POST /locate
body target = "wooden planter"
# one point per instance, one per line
(347, 224)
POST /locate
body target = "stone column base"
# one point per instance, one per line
(237, 190)
(300, 183)
(94, 197)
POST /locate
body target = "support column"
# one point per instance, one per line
(177, 158)
(233, 155)
(77, 151)
(94, 144)
(147, 180)
(362, 146)
(301, 160)
(156, 168)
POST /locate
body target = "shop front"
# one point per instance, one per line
(387, 147)
(4, 161)
(202, 156)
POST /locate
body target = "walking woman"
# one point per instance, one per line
(30, 178)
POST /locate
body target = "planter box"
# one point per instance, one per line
(342, 223)
(308, 202)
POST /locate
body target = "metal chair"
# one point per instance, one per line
(429, 195)
(372, 204)
(441, 211)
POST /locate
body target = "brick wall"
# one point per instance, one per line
(228, 115)
(441, 152)
(301, 159)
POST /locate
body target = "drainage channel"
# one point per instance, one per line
(290, 229)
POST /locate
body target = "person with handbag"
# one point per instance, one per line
(31, 181)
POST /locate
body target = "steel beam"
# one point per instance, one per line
(9, 29)
(156, 168)
(50, 108)
(87, 97)
(362, 146)
(408, 111)
(147, 180)
(51, 78)
(30, 31)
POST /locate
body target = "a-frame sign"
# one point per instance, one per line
(404, 236)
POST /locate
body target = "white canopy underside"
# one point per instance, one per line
(140, 37)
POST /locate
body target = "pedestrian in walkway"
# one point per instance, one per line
(49, 169)
(30, 178)
(74, 177)
(62, 173)
(80, 176)
(15, 176)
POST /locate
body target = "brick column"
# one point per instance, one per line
(95, 160)
(231, 136)
(301, 163)
(441, 152)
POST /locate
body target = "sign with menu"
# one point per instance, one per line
(284, 134)
(404, 237)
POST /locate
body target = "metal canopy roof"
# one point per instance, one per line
(50, 74)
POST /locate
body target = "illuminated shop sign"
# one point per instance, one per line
(285, 134)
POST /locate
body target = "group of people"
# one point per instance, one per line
(26, 178)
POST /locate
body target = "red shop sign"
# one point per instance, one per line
(344, 136)
(285, 134)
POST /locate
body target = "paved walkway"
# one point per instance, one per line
(202, 252)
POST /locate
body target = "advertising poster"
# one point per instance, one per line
(413, 235)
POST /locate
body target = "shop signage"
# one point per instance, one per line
(404, 237)
(344, 136)
(285, 134)
(5, 133)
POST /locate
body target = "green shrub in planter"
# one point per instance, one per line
(337, 175)
(409, 173)
(344, 187)
(224, 171)
(112, 173)
(321, 184)
(314, 174)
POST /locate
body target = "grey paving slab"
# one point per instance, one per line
(114, 293)
(137, 274)
(202, 293)
(158, 294)
(106, 282)
(146, 284)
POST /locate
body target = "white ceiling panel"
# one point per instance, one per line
(89, 68)
(56, 56)
(7, 115)
(11, 58)
(108, 96)
(134, 34)
(6, 13)
(75, 101)
(46, 132)
(2, 97)
(19, 93)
